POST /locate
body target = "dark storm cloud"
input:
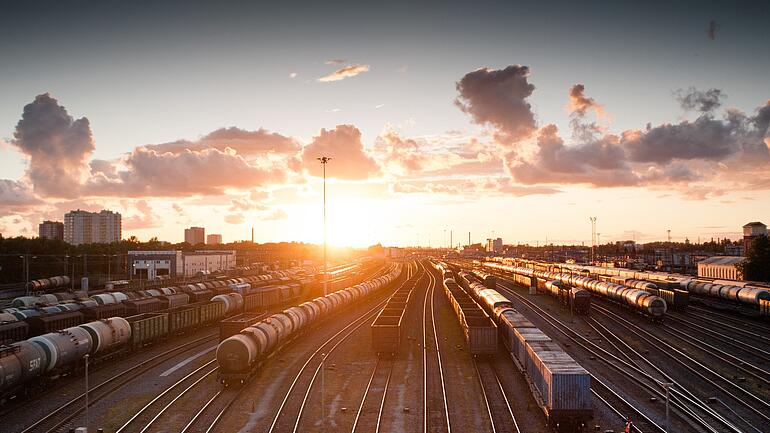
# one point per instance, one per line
(349, 159)
(498, 98)
(713, 27)
(57, 145)
(700, 100)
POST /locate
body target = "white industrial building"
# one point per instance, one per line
(721, 267)
(82, 227)
(155, 264)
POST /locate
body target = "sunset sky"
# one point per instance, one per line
(514, 119)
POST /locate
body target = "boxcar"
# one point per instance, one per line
(13, 331)
(142, 306)
(100, 312)
(200, 295)
(148, 328)
(53, 322)
(175, 300)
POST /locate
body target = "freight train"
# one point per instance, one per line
(48, 283)
(31, 364)
(31, 316)
(28, 365)
(579, 300)
(634, 299)
(560, 385)
(750, 294)
(240, 356)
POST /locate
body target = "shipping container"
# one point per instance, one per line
(522, 336)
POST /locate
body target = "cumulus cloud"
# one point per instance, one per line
(57, 145)
(579, 103)
(404, 153)
(498, 98)
(245, 142)
(145, 218)
(234, 219)
(16, 196)
(685, 152)
(346, 72)
(349, 159)
(699, 100)
(599, 163)
(209, 171)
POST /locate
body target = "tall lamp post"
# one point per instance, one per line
(324, 160)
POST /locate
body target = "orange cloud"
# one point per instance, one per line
(349, 159)
(346, 72)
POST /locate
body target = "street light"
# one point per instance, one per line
(324, 160)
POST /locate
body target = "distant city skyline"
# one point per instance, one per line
(490, 118)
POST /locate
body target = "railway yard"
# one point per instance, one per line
(426, 345)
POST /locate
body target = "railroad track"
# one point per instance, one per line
(763, 354)
(501, 417)
(373, 401)
(435, 407)
(64, 414)
(646, 382)
(144, 418)
(721, 318)
(289, 418)
(725, 386)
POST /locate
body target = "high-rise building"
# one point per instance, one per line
(195, 235)
(752, 231)
(213, 239)
(53, 230)
(495, 245)
(83, 227)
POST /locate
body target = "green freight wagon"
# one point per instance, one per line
(182, 319)
(211, 312)
(147, 328)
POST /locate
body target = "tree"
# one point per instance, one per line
(756, 267)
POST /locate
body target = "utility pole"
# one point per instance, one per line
(593, 237)
(324, 160)
(668, 232)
